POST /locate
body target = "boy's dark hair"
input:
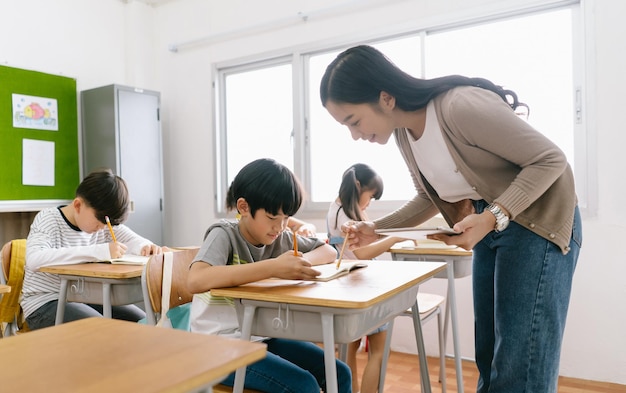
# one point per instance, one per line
(266, 184)
(107, 194)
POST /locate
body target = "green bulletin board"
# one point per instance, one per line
(39, 137)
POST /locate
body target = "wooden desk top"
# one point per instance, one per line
(108, 355)
(360, 288)
(447, 251)
(5, 288)
(98, 269)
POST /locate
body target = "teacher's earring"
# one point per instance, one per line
(238, 216)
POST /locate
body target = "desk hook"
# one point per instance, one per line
(79, 286)
(277, 322)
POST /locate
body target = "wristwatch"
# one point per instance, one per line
(502, 220)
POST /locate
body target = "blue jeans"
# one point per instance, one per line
(45, 315)
(292, 367)
(522, 285)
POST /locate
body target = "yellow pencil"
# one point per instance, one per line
(345, 240)
(295, 244)
(110, 228)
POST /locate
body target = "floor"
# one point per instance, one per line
(403, 377)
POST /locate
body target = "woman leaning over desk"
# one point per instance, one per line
(493, 177)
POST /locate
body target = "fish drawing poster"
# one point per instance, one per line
(35, 112)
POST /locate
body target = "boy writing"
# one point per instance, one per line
(265, 194)
(78, 233)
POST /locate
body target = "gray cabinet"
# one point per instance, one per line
(121, 130)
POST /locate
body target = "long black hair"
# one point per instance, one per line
(359, 74)
(356, 180)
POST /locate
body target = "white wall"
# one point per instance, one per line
(101, 42)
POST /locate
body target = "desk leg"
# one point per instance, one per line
(328, 335)
(419, 339)
(246, 332)
(451, 313)
(106, 300)
(383, 366)
(62, 301)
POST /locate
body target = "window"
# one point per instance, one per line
(257, 116)
(262, 103)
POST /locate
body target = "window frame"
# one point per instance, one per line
(585, 156)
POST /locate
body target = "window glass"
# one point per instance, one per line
(332, 149)
(530, 55)
(259, 117)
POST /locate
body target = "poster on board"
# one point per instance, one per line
(35, 112)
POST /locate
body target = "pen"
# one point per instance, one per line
(110, 228)
(295, 244)
(345, 240)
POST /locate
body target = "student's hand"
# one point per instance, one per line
(117, 249)
(359, 233)
(306, 230)
(473, 228)
(302, 228)
(151, 250)
(292, 267)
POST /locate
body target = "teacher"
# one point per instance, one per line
(506, 187)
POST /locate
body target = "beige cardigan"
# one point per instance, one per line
(503, 158)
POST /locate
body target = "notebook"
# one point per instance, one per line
(330, 271)
(416, 233)
(130, 259)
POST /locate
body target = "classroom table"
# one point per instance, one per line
(459, 263)
(109, 355)
(97, 283)
(337, 311)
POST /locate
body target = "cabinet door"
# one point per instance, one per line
(140, 161)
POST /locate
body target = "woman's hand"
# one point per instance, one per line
(473, 228)
(359, 233)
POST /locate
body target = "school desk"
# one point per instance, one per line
(459, 263)
(337, 311)
(97, 283)
(108, 355)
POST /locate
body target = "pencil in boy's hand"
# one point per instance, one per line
(110, 228)
(345, 240)
(295, 244)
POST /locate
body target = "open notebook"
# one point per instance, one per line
(330, 271)
(130, 259)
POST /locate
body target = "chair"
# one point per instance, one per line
(13, 261)
(152, 281)
(430, 305)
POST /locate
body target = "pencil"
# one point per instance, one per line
(295, 244)
(345, 240)
(110, 228)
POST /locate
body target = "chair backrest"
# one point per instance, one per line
(152, 280)
(10, 309)
(5, 256)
